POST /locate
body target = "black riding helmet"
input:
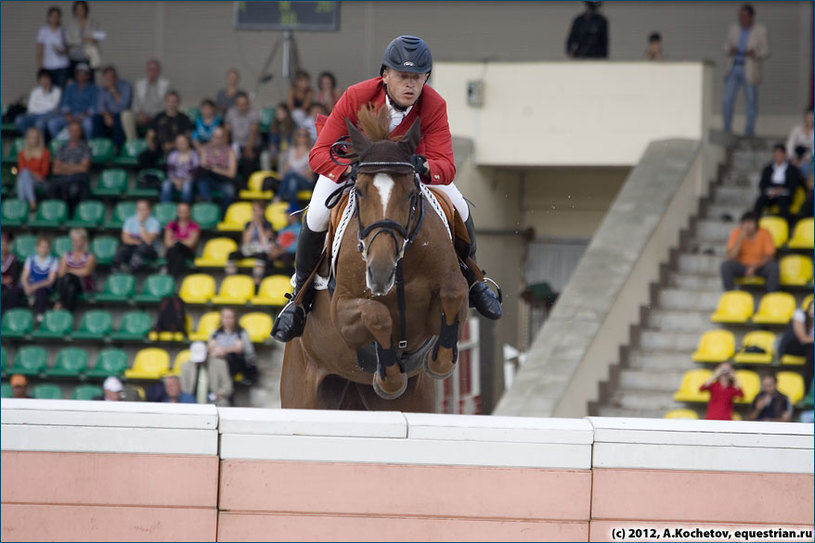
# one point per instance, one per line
(407, 54)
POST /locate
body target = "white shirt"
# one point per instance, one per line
(779, 174)
(41, 102)
(799, 136)
(51, 41)
(396, 116)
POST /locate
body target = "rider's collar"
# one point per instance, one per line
(393, 106)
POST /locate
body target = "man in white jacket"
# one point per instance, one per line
(148, 99)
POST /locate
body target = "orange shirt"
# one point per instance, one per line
(39, 166)
(752, 251)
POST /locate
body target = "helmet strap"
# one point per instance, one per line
(394, 104)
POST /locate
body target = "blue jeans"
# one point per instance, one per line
(101, 130)
(291, 184)
(26, 186)
(38, 120)
(168, 191)
(734, 80)
(58, 122)
(206, 184)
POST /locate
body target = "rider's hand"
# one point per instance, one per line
(420, 165)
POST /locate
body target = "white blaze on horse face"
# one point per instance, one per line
(384, 185)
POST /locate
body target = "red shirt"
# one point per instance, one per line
(436, 144)
(39, 165)
(720, 406)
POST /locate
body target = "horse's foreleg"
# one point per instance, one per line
(441, 361)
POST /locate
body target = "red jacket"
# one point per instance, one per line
(436, 144)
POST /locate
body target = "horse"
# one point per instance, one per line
(391, 326)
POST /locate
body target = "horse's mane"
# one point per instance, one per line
(374, 122)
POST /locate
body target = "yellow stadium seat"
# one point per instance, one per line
(754, 281)
(735, 306)
(208, 323)
(758, 338)
(171, 336)
(257, 325)
(254, 187)
(681, 414)
(304, 195)
(197, 288)
(689, 388)
(795, 270)
(715, 346)
(775, 308)
(235, 289)
(180, 359)
(750, 384)
(149, 364)
(792, 360)
(798, 200)
(236, 217)
(807, 301)
(273, 290)
(735, 416)
(216, 252)
(791, 385)
(276, 214)
(777, 227)
(803, 237)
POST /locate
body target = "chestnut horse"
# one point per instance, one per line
(358, 349)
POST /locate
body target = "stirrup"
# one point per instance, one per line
(497, 288)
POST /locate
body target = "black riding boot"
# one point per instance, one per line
(291, 321)
(482, 298)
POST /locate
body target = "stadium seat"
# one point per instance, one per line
(135, 326)
(171, 336)
(236, 217)
(806, 302)
(803, 237)
(750, 385)
(681, 414)
(180, 359)
(129, 155)
(119, 287)
(257, 325)
(70, 362)
(13, 212)
(216, 252)
(156, 287)
(208, 323)
(62, 245)
(30, 360)
(4, 365)
(235, 289)
(272, 291)
(17, 145)
(5, 390)
(758, 338)
(50, 214)
(87, 392)
(17, 323)
(809, 400)
(104, 249)
(197, 288)
(101, 150)
(254, 190)
(47, 391)
(56, 324)
(112, 182)
(689, 388)
(775, 308)
(792, 360)
(95, 325)
(798, 199)
(791, 385)
(795, 270)
(304, 195)
(165, 212)
(735, 306)
(735, 416)
(206, 215)
(24, 246)
(276, 214)
(144, 192)
(192, 113)
(777, 227)
(149, 363)
(88, 214)
(121, 212)
(715, 346)
(109, 362)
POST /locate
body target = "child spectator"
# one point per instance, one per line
(166, 127)
(43, 104)
(39, 275)
(243, 125)
(327, 92)
(256, 242)
(801, 142)
(218, 169)
(723, 388)
(139, 236)
(206, 378)
(33, 164)
(79, 103)
(797, 340)
(295, 169)
(82, 38)
(300, 96)
(11, 293)
(181, 163)
(205, 123)
(750, 252)
(180, 238)
(231, 343)
(52, 53)
(113, 99)
(76, 269)
(72, 166)
(770, 404)
(225, 99)
(280, 132)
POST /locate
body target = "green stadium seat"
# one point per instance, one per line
(121, 213)
(16, 146)
(101, 150)
(138, 192)
(130, 152)
(192, 113)
(95, 325)
(88, 214)
(134, 327)
(206, 214)
(50, 214)
(164, 212)
(3, 361)
(109, 362)
(30, 360)
(13, 212)
(156, 287)
(24, 246)
(119, 287)
(62, 245)
(70, 362)
(266, 118)
(17, 323)
(809, 400)
(47, 391)
(112, 182)
(87, 392)
(5, 390)
(104, 249)
(55, 146)
(56, 324)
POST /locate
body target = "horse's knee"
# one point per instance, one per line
(376, 317)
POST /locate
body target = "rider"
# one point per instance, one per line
(401, 87)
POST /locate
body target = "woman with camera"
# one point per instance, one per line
(723, 389)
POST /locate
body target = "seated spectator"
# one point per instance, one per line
(52, 52)
(139, 236)
(43, 104)
(181, 163)
(778, 183)
(770, 404)
(285, 244)
(225, 99)
(82, 36)
(79, 103)
(148, 100)
(243, 125)
(300, 97)
(798, 340)
(112, 388)
(219, 167)
(750, 252)
(255, 243)
(310, 121)
(166, 127)
(172, 392)
(72, 166)
(39, 275)
(294, 169)
(205, 123)
(231, 343)
(113, 99)
(801, 142)
(327, 92)
(76, 269)
(654, 51)
(11, 293)
(206, 378)
(724, 388)
(19, 386)
(280, 133)
(180, 238)
(33, 165)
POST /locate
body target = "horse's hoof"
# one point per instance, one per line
(390, 388)
(439, 369)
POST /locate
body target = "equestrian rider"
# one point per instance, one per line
(401, 87)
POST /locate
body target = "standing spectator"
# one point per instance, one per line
(172, 392)
(225, 99)
(19, 386)
(327, 92)
(206, 378)
(280, 132)
(82, 36)
(205, 123)
(588, 37)
(113, 100)
(39, 275)
(300, 96)
(654, 51)
(778, 183)
(52, 53)
(797, 340)
(139, 235)
(180, 238)
(148, 100)
(219, 166)
(750, 252)
(33, 165)
(181, 163)
(43, 104)
(231, 343)
(72, 166)
(255, 243)
(770, 404)
(746, 46)
(296, 172)
(78, 104)
(243, 124)
(112, 389)
(285, 244)
(801, 142)
(724, 388)
(76, 269)
(166, 127)
(11, 293)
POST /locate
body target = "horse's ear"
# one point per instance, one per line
(411, 139)
(358, 139)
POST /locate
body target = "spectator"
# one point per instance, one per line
(33, 165)
(285, 244)
(797, 340)
(139, 236)
(172, 391)
(113, 99)
(39, 275)
(310, 122)
(327, 94)
(807, 208)
(78, 104)
(770, 404)
(180, 238)
(181, 163)
(280, 132)
(205, 123)
(778, 183)
(746, 46)
(750, 252)
(207, 383)
(11, 293)
(231, 343)
(801, 142)
(300, 96)
(225, 99)
(148, 100)
(82, 36)
(76, 269)
(654, 51)
(218, 169)
(112, 388)
(723, 388)
(588, 37)
(19, 386)
(43, 104)
(296, 172)
(72, 166)
(256, 242)
(243, 124)
(52, 53)
(166, 127)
